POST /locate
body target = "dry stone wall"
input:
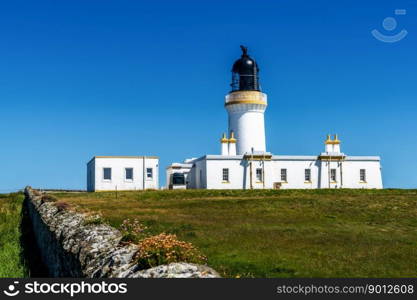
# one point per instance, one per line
(69, 247)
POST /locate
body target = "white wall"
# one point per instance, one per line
(91, 175)
(200, 174)
(247, 122)
(212, 166)
(373, 173)
(118, 180)
(246, 119)
(296, 172)
(214, 174)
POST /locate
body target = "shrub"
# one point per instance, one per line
(133, 230)
(48, 198)
(36, 193)
(62, 205)
(164, 249)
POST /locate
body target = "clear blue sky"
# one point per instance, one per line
(85, 78)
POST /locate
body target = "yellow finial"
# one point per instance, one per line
(224, 139)
(328, 140)
(232, 137)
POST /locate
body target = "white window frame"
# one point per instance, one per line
(133, 174)
(147, 177)
(111, 174)
(307, 175)
(225, 175)
(259, 175)
(333, 175)
(360, 175)
(284, 175)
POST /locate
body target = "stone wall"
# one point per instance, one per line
(71, 248)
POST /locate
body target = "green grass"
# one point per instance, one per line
(285, 233)
(10, 249)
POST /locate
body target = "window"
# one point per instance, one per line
(362, 175)
(333, 175)
(284, 175)
(178, 179)
(307, 175)
(259, 175)
(149, 173)
(107, 173)
(225, 175)
(129, 173)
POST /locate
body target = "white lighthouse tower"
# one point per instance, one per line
(246, 106)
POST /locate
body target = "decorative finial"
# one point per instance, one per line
(336, 139)
(224, 139)
(232, 137)
(244, 50)
(328, 140)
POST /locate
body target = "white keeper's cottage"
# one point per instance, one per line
(244, 162)
(119, 173)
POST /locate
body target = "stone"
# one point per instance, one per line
(177, 270)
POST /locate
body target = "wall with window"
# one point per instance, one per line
(284, 172)
(215, 172)
(296, 173)
(352, 173)
(347, 173)
(265, 174)
(112, 173)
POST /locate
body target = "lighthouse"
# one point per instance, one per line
(246, 105)
(244, 162)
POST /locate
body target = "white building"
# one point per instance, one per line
(244, 162)
(111, 173)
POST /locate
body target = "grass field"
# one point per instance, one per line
(10, 249)
(286, 233)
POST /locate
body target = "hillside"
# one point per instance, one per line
(285, 233)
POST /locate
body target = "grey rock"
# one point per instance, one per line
(177, 270)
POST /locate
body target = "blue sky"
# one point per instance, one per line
(85, 78)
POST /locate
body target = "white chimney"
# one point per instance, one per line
(332, 146)
(224, 145)
(232, 144)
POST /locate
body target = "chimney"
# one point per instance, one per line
(332, 146)
(232, 144)
(336, 144)
(224, 145)
(328, 144)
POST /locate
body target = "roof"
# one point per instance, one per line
(294, 157)
(179, 166)
(123, 156)
(362, 158)
(286, 157)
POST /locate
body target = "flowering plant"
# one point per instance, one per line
(133, 230)
(166, 248)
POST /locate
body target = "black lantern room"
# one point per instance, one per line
(245, 73)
